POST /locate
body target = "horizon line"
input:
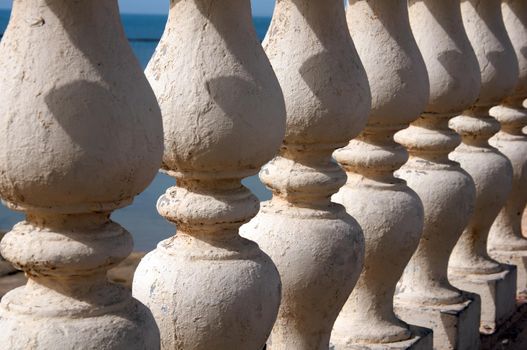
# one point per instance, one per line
(152, 13)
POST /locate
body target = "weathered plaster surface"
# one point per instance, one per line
(470, 266)
(424, 293)
(389, 212)
(317, 247)
(506, 243)
(223, 117)
(81, 137)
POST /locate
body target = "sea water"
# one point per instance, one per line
(141, 218)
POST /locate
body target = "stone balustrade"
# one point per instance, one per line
(425, 296)
(471, 268)
(223, 118)
(410, 238)
(82, 135)
(389, 212)
(318, 248)
(506, 243)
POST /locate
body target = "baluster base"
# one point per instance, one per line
(66, 324)
(209, 293)
(519, 259)
(420, 339)
(455, 326)
(497, 292)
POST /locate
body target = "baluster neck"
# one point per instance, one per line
(429, 138)
(475, 126)
(374, 154)
(304, 175)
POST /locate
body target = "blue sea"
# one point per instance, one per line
(141, 218)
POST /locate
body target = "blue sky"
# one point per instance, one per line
(260, 7)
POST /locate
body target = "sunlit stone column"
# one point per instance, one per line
(470, 266)
(81, 136)
(224, 117)
(389, 212)
(317, 247)
(506, 243)
(424, 295)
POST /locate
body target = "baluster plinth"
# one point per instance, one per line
(223, 117)
(317, 247)
(424, 294)
(389, 212)
(470, 267)
(506, 243)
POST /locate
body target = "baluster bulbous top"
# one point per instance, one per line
(82, 128)
(223, 105)
(398, 83)
(394, 66)
(515, 19)
(326, 94)
(494, 51)
(450, 60)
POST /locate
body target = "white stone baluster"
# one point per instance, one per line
(424, 296)
(316, 245)
(470, 266)
(224, 117)
(81, 136)
(389, 212)
(506, 243)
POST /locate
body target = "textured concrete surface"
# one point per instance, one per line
(223, 118)
(506, 243)
(446, 191)
(81, 136)
(470, 266)
(389, 212)
(317, 246)
(122, 274)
